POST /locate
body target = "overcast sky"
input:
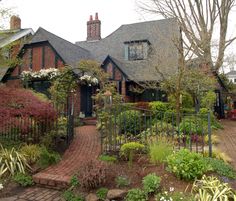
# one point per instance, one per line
(68, 18)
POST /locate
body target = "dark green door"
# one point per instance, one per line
(86, 100)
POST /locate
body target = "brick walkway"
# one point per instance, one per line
(36, 193)
(85, 146)
(228, 139)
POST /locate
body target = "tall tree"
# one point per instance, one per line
(200, 22)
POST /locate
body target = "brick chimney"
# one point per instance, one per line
(15, 22)
(93, 28)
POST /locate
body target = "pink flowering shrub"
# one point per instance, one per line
(22, 111)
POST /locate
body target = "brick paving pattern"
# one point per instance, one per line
(85, 147)
(37, 193)
(228, 139)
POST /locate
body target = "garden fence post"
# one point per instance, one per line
(209, 134)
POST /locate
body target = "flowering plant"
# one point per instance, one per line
(87, 79)
(49, 73)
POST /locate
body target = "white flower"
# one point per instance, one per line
(1, 186)
(172, 189)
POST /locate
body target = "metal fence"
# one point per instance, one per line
(59, 121)
(124, 124)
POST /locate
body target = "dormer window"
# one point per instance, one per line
(136, 50)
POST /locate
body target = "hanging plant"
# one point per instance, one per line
(47, 74)
(88, 80)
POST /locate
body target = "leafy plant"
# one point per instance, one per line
(23, 179)
(48, 158)
(160, 150)
(93, 174)
(107, 158)
(158, 108)
(102, 193)
(69, 195)
(31, 152)
(12, 162)
(122, 181)
(136, 194)
(129, 149)
(74, 181)
(129, 121)
(220, 167)
(187, 165)
(151, 183)
(210, 188)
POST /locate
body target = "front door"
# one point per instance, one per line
(86, 100)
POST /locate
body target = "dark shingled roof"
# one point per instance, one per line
(163, 54)
(69, 52)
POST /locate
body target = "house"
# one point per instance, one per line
(130, 55)
(231, 75)
(12, 40)
(133, 52)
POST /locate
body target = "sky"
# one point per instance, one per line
(67, 19)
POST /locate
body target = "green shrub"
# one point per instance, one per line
(136, 195)
(69, 195)
(187, 165)
(23, 179)
(151, 183)
(160, 150)
(31, 152)
(203, 113)
(192, 125)
(129, 121)
(48, 158)
(208, 100)
(12, 162)
(169, 116)
(129, 149)
(158, 127)
(185, 110)
(158, 108)
(122, 181)
(221, 168)
(74, 181)
(9, 144)
(102, 193)
(210, 188)
(107, 158)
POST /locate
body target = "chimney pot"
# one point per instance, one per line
(93, 28)
(96, 16)
(15, 22)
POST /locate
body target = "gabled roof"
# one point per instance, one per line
(137, 73)
(69, 52)
(159, 34)
(232, 72)
(9, 36)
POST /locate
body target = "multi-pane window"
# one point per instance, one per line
(136, 51)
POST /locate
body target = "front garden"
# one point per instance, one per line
(33, 134)
(154, 172)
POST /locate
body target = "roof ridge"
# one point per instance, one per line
(77, 46)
